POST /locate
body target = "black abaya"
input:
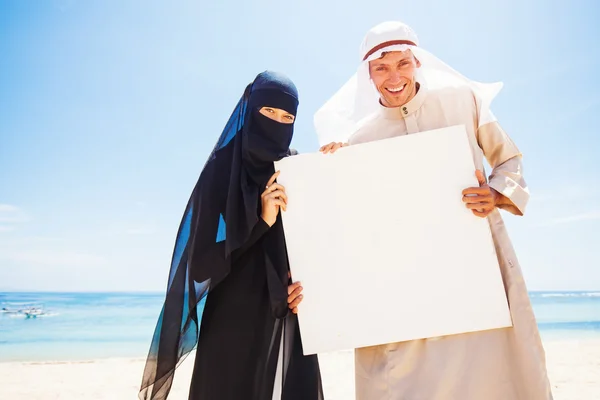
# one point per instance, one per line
(237, 331)
(226, 257)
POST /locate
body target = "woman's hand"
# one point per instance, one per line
(273, 199)
(294, 295)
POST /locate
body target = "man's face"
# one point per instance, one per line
(394, 77)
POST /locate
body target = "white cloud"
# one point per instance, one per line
(46, 251)
(13, 219)
(8, 208)
(10, 215)
(54, 257)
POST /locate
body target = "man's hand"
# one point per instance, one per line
(294, 296)
(332, 147)
(481, 200)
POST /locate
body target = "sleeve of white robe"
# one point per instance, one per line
(507, 168)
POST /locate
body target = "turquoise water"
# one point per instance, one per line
(96, 325)
(79, 326)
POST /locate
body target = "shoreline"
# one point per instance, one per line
(547, 339)
(573, 365)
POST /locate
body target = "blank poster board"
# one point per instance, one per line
(384, 246)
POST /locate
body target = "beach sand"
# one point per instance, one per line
(573, 367)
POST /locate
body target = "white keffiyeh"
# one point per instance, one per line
(358, 98)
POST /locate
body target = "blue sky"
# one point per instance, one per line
(108, 110)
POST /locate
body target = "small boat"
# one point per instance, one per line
(28, 310)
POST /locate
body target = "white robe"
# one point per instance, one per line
(503, 364)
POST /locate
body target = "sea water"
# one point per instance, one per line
(79, 326)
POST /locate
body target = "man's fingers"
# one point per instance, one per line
(481, 214)
(326, 147)
(335, 147)
(331, 147)
(480, 177)
(339, 146)
(480, 206)
(295, 310)
(476, 190)
(478, 199)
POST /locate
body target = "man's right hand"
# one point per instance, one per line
(332, 147)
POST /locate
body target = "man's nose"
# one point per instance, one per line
(394, 77)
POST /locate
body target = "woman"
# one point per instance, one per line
(230, 270)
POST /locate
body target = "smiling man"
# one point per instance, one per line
(394, 77)
(401, 89)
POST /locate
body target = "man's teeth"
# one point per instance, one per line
(396, 90)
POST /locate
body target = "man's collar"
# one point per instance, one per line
(407, 109)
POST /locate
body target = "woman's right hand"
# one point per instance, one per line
(273, 199)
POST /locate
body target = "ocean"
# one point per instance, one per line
(80, 326)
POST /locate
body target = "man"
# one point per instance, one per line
(417, 92)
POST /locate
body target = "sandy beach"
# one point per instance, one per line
(573, 366)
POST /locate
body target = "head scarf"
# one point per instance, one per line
(224, 207)
(358, 98)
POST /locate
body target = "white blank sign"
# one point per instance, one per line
(384, 246)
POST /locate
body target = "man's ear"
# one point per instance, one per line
(418, 62)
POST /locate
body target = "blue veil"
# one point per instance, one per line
(177, 329)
